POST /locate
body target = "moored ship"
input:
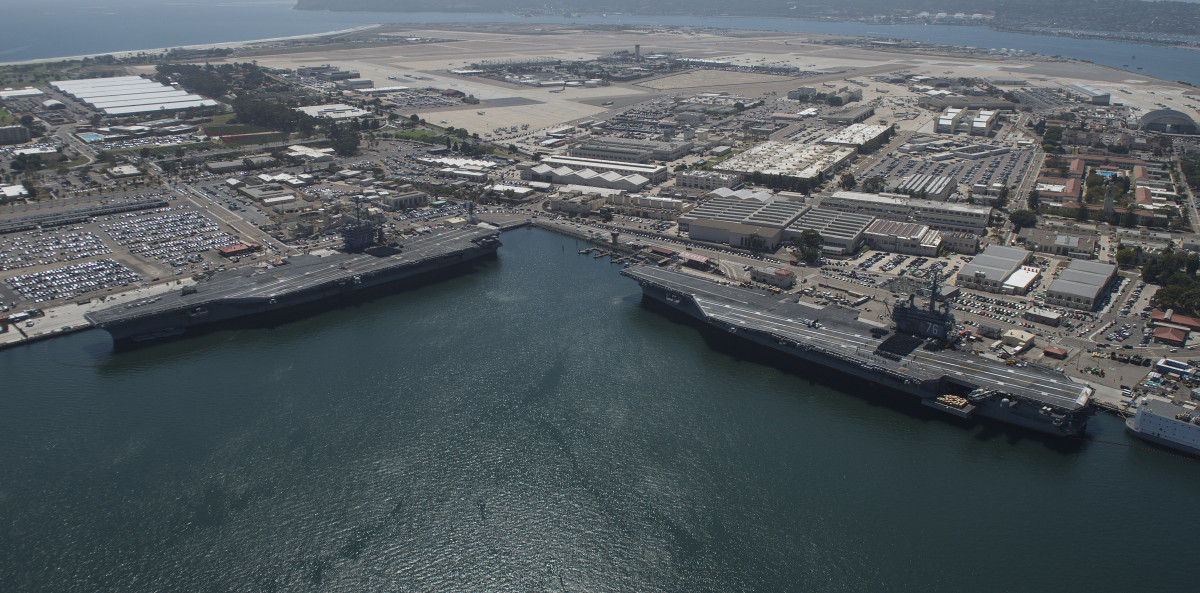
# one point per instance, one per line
(303, 280)
(1166, 423)
(913, 357)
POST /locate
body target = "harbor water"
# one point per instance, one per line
(533, 426)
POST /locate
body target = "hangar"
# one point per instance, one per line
(1169, 121)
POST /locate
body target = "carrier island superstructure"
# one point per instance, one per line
(910, 356)
(318, 280)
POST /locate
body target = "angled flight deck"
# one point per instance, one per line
(950, 380)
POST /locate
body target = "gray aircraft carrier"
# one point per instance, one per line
(914, 356)
(308, 279)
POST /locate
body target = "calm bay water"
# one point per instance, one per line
(54, 28)
(533, 426)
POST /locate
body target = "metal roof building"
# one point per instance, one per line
(942, 216)
(792, 159)
(654, 173)
(904, 237)
(754, 220)
(1169, 121)
(128, 95)
(990, 269)
(1092, 94)
(856, 134)
(630, 150)
(841, 232)
(1081, 284)
(934, 186)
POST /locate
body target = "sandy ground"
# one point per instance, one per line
(712, 78)
(542, 109)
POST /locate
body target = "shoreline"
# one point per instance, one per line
(198, 46)
(1112, 36)
(533, 19)
(250, 44)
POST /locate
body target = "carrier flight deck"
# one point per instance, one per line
(836, 338)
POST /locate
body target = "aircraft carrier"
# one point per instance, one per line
(913, 355)
(303, 280)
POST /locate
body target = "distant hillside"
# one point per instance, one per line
(1124, 16)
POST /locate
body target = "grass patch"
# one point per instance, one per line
(220, 130)
(169, 149)
(255, 139)
(421, 136)
(75, 162)
(6, 117)
(23, 75)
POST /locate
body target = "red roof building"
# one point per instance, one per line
(1055, 352)
(1077, 167)
(238, 249)
(1171, 336)
(692, 259)
(1172, 318)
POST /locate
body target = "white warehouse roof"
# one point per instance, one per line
(126, 95)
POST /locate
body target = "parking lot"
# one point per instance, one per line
(70, 281)
(172, 235)
(1007, 169)
(43, 247)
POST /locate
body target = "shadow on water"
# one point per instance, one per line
(276, 319)
(743, 350)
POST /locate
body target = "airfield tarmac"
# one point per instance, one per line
(506, 104)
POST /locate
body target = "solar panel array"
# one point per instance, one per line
(129, 95)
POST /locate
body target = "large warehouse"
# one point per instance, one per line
(990, 269)
(1081, 285)
(841, 232)
(129, 95)
(943, 216)
(908, 238)
(1169, 121)
(630, 150)
(791, 159)
(654, 173)
(1090, 93)
(752, 220)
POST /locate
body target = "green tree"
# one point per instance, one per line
(1126, 256)
(25, 163)
(344, 140)
(1034, 197)
(874, 185)
(1129, 220)
(1023, 219)
(809, 245)
(847, 181)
